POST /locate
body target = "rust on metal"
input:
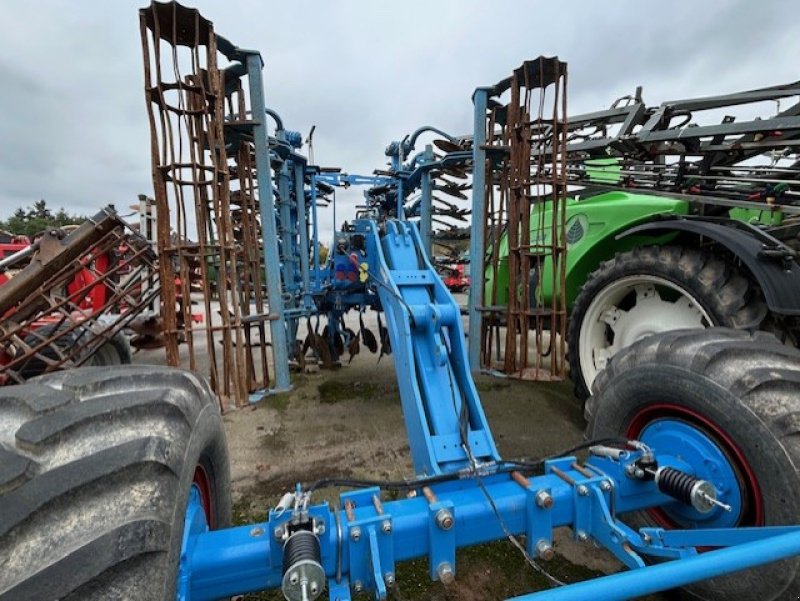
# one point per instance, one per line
(582, 470)
(206, 204)
(565, 477)
(523, 332)
(78, 290)
(349, 506)
(429, 495)
(520, 479)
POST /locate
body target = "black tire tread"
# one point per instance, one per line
(731, 298)
(91, 479)
(759, 371)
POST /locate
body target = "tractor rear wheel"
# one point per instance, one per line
(728, 403)
(96, 469)
(650, 290)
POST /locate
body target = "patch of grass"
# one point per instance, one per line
(279, 401)
(488, 385)
(333, 391)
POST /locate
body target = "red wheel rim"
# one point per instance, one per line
(201, 481)
(753, 515)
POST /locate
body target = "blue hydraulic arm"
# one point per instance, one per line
(440, 402)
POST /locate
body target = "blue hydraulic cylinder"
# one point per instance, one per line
(672, 574)
(476, 246)
(280, 351)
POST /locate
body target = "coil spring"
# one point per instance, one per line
(301, 546)
(676, 484)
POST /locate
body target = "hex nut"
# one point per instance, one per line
(544, 500)
(444, 519)
(445, 573)
(545, 550)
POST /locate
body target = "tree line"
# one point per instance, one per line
(37, 218)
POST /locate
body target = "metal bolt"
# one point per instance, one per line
(320, 529)
(314, 588)
(445, 573)
(388, 578)
(355, 534)
(638, 473)
(630, 469)
(544, 550)
(582, 490)
(582, 536)
(357, 586)
(444, 519)
(544, 500)
(294, 578)
(257, 531)
(605, 485)
(647, 538)
(386, 526)
(278, 532)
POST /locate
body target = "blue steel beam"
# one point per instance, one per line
(476, 247)
(425, 225)
(280, 351)
(223, 563)
(298, 168)
(426, 333)
(673, 574)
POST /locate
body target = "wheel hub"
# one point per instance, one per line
(630, 309)
(696, 453)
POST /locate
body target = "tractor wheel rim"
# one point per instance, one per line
(630, 309)
(696, 440)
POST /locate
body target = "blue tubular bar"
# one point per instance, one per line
(636, 583)
(280, 350)
(238, 560)
(476, 246)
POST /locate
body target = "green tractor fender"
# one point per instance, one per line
(593, 226)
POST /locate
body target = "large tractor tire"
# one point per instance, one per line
(728, 402)
(96, 467)
(650, 290)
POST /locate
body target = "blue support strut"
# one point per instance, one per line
(476, 248)
(280, 351)
(628, 585)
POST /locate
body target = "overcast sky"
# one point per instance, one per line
(73, 121)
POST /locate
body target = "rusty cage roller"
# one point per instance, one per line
(209, 232)
(523, 329)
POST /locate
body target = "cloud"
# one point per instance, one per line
(73, 121)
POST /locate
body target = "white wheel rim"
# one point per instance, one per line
(607, 327)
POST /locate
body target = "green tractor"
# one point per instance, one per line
(673, 225)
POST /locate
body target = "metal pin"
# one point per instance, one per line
(713, 501)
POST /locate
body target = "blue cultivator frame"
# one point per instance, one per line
(466, 494)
